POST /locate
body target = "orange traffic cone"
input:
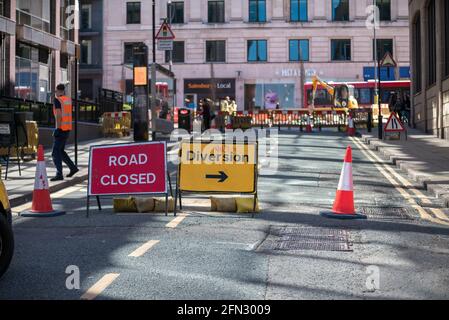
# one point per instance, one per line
(351, 128)
(41, 206)
(344, 201)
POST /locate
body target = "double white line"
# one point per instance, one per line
(390, 174)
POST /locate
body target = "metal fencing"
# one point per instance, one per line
(302, 119)
(43, 112)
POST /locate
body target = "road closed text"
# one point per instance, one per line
(131, 179)
(137, 168)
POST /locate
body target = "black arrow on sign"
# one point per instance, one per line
(222, 176)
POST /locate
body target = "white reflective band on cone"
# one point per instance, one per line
(41, 182)
(345, 183)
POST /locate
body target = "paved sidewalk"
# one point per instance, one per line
(423, 157)
(20, 188)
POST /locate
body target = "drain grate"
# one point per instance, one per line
(307, 238)
(388, 213)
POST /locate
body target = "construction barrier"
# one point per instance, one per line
(303, 119)
(288, 118)
(116, 124)
(242, 120)
(32, 139)
(329, 119)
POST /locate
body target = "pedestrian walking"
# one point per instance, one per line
(62, 110)
(392, 101)
(206, 112)
(405, 110)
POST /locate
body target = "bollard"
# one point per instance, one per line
(380, 126)
(369, 125)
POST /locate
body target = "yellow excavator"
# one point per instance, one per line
(342, 95)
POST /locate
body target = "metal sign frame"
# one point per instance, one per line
(168, 183)
(179, 192)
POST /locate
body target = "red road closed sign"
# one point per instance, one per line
(138, 168)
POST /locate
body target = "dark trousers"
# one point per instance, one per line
(59, 155)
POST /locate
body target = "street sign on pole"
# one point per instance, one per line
(394, 124)
(388, 61)
(165, 32)
(165, 45)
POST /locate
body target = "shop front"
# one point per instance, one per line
(216, 90)
(269, 96)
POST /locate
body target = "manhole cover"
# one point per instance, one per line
(387, 213)
(307, 238)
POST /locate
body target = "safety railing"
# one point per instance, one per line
(317, 118)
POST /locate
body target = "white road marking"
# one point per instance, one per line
(55, 195)
(144, 249)
(100, 286)
(384, 168)
(176, 221)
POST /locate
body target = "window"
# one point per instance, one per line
(299, 50)
(298, 10)
(133, 12)
(177, 53)
(86, 51)
(257, 50)
(341, 50)
(128, 55)
(66, 19)
(257, 11)
(417, 70)
(175, 11)
(216, 11)
(34, 13)
(32, 73)
(431, 35)
(86, 17)
(383, 46)
(384, 9)
(340, 10)
(446, 37)
(216, 51)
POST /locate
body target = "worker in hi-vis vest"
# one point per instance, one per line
(62, 110)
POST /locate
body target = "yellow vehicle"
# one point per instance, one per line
(6, 234)
(342, 95)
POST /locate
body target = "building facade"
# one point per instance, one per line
(91, 41)
(429, 34)
(255, 51)
(38, 47)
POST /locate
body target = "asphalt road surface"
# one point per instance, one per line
(399, 252)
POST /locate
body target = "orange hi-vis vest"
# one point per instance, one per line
(66, 113)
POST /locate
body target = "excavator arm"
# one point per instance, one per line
(315, 81)
(347, 102)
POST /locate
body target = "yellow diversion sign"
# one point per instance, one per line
(218, 167)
